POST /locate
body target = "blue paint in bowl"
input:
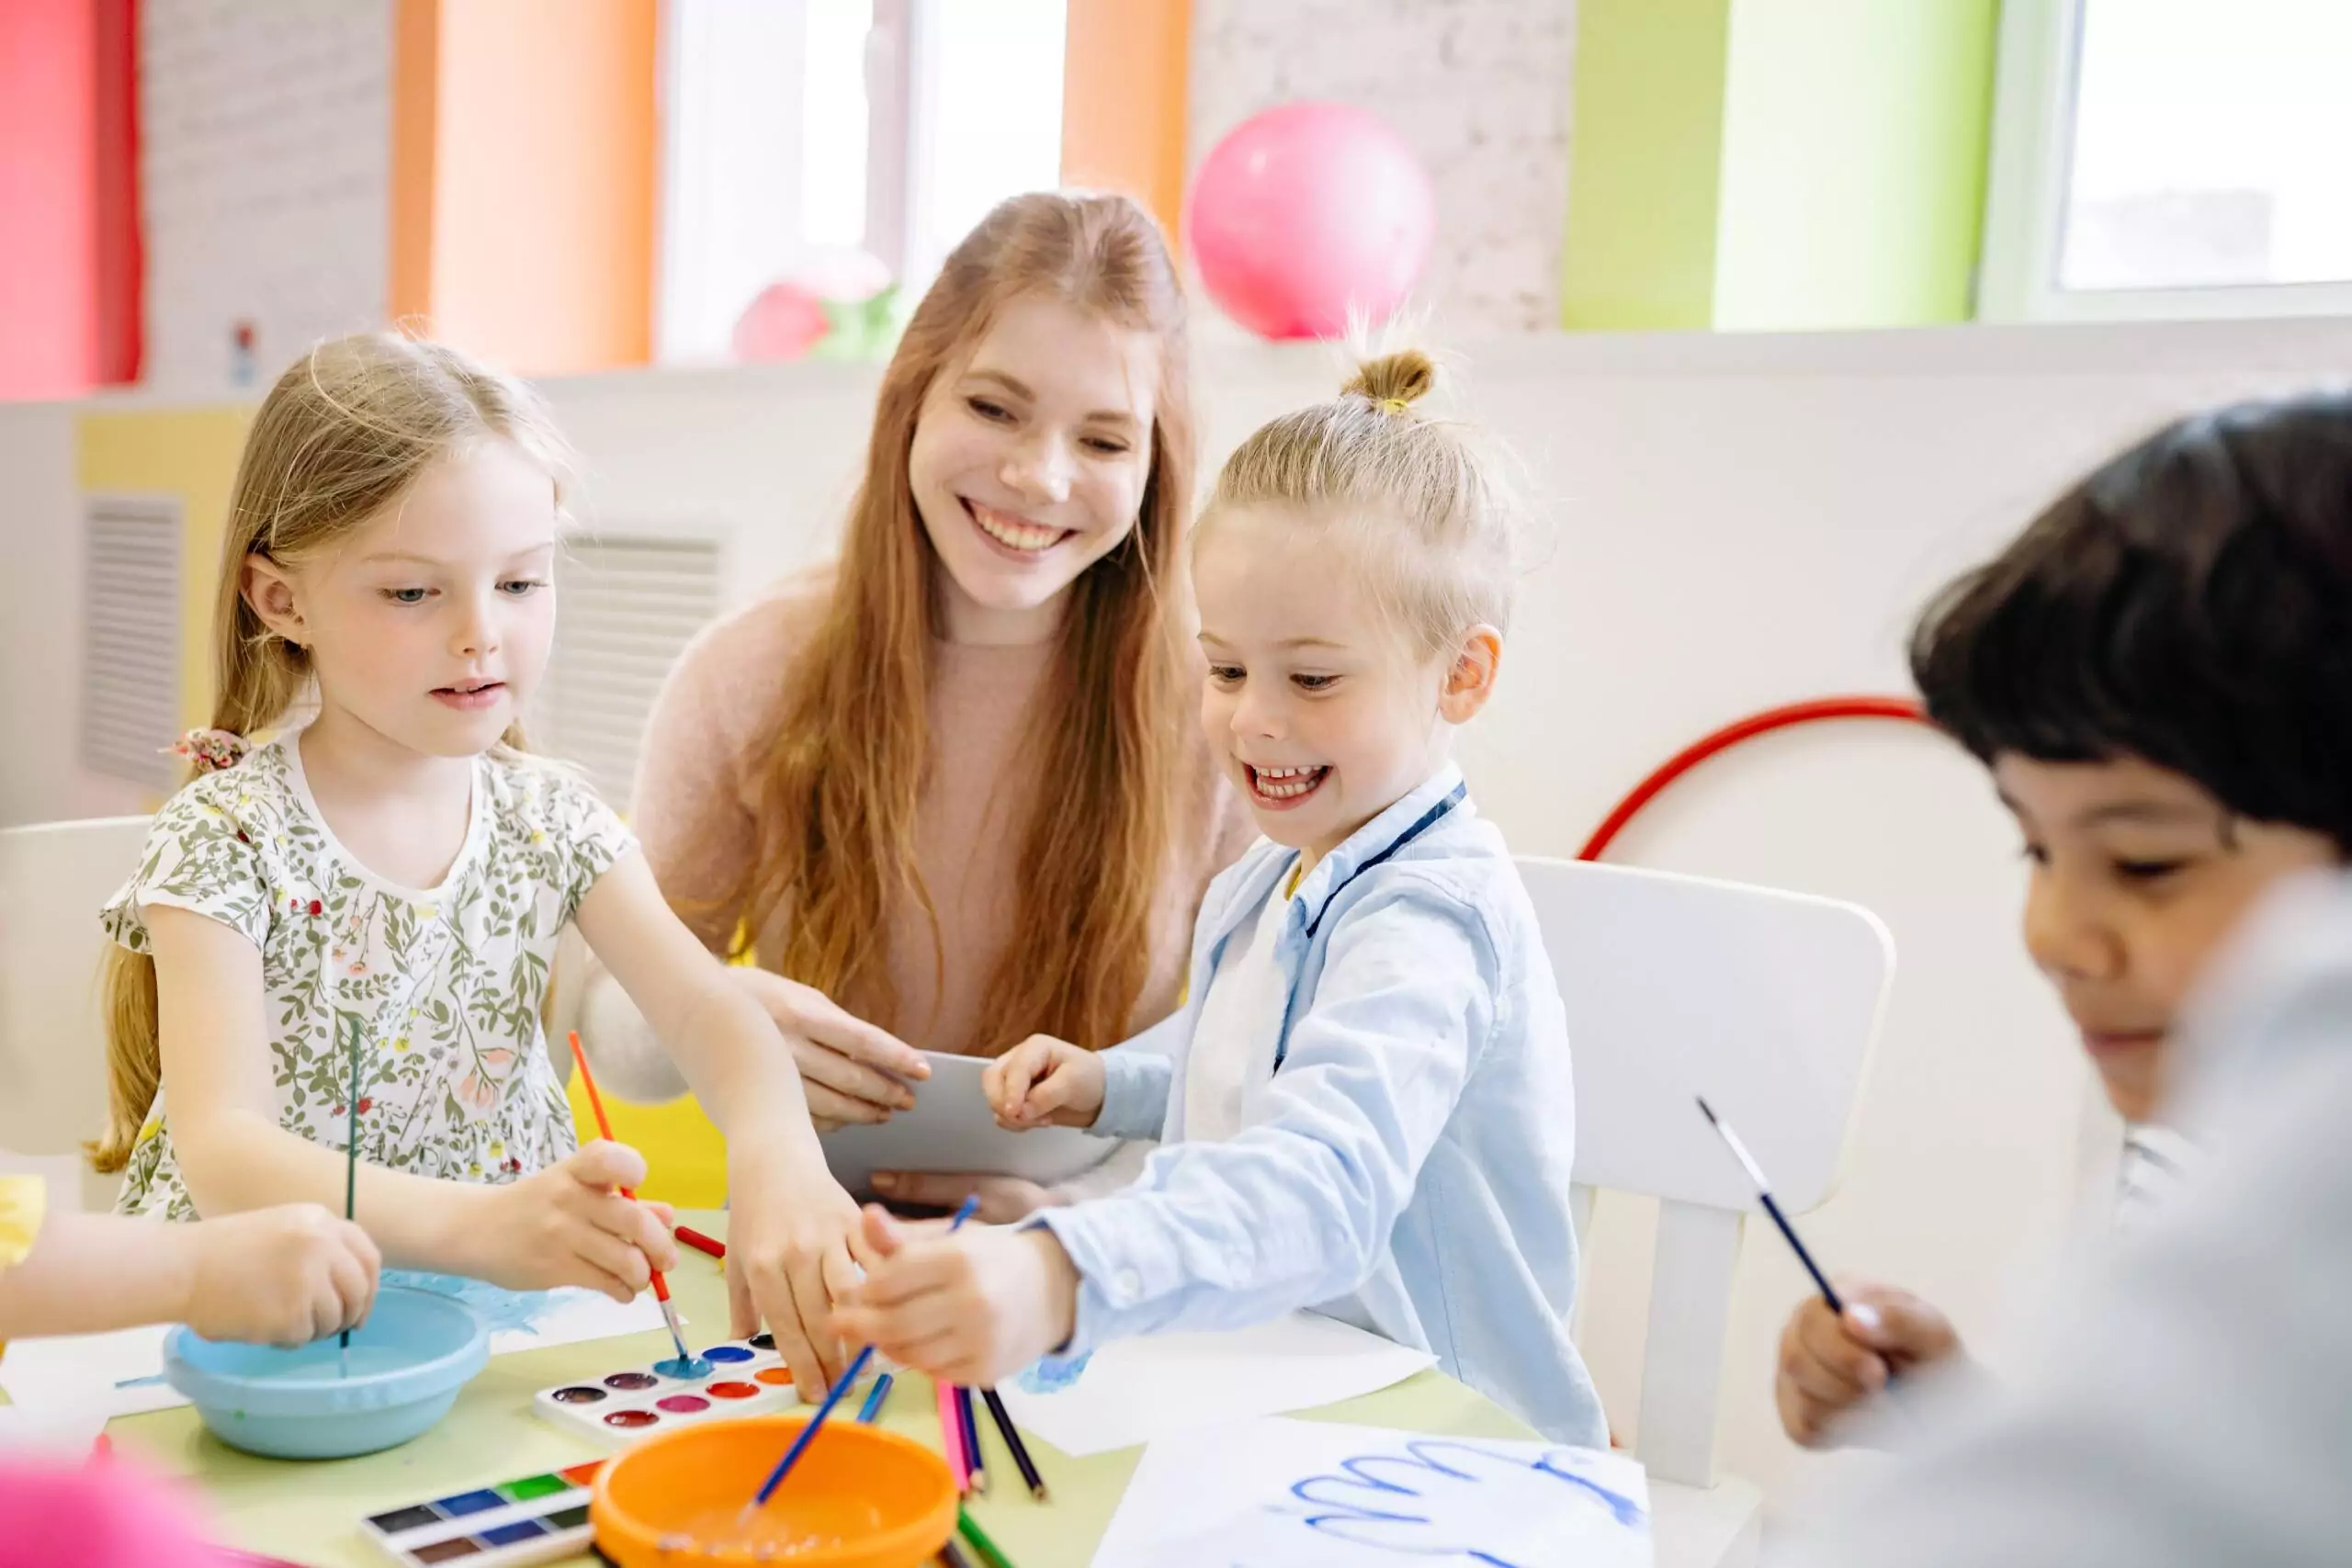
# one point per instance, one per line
(407, 1364)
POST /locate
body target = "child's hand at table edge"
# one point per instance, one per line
(280, 1275)
(1829, 1363)
(792, 1252)
(569, 1225)
(973, 1307)
(1044, 1082)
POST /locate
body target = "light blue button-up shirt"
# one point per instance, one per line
(1404, 1168)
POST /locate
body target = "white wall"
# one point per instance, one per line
(1740, 522)
(264, 179)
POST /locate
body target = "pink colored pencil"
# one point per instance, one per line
(951, 1438)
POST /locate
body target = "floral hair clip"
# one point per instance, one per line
(209, 750)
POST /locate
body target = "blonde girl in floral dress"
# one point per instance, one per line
(393, 876)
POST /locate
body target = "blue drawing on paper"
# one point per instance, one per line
(1052, 1376)
(1440, 1496)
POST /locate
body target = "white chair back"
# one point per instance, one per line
(1764, 1001)
(52, 1046)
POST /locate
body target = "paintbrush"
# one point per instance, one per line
(605, 1131)
(1764, 1191)
(350, 1182)
(832, 1397)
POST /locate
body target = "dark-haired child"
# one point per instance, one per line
(2158, 673)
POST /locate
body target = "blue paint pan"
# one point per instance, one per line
(408, 1361)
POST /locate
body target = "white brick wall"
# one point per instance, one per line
(264, 147)
(1481, 88)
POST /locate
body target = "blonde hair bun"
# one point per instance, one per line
(1393, 381)
(1424, 506)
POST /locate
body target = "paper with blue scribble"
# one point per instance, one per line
(1274, 1493)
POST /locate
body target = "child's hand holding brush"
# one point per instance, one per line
(570, 1225)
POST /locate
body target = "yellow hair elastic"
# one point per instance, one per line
(1396, 405)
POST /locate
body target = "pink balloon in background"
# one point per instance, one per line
(783, 322)
(1307, 211)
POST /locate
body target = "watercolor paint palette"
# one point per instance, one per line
(539, 1519)
(747, 1378)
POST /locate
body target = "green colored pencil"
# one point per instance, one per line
(980, 1541)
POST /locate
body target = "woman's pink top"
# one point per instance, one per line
(698, 792)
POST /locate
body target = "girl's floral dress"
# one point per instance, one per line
(443, 985)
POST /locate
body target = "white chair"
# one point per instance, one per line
(1767, 1003)
(52, 1046)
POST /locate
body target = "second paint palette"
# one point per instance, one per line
(747, 1378)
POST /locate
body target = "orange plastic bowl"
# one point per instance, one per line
(860, 1497)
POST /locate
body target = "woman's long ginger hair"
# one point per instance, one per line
(836, 837)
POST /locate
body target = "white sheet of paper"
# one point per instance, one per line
(584, 1316)
(66, 1430)
(74, 1381)
(1137, 1390)
(55, 1380)
(1314, 1495)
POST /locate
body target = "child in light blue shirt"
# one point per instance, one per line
(1366, 1103)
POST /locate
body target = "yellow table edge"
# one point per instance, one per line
(310, 1512)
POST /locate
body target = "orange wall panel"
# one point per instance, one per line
(526, 135)
(1123, 84)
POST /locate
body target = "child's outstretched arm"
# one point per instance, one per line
(790, 1226)
(282, 1276)
(566, 1226)
(1294, 1210)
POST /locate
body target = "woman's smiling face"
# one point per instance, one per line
(1029, 464)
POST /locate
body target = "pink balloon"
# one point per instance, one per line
(783, 322)
(1307, 211)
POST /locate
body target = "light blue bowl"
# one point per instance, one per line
(407, 1364)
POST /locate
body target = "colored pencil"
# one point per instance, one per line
(953, 1554)
(700, 1242)
(1771, 1207)
(873, 1405)
(832, 1397)
(951, 1438)
(971, 1424)
(980, 1541)
(605, 1131)
(1012, 1434)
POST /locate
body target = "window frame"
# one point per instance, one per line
(2038, 69)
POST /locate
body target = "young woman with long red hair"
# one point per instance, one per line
(946, 791)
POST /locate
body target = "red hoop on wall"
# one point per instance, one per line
(1785, 717)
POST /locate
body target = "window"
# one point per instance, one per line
(2170, 158)
(986, 119)
(840, 140)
